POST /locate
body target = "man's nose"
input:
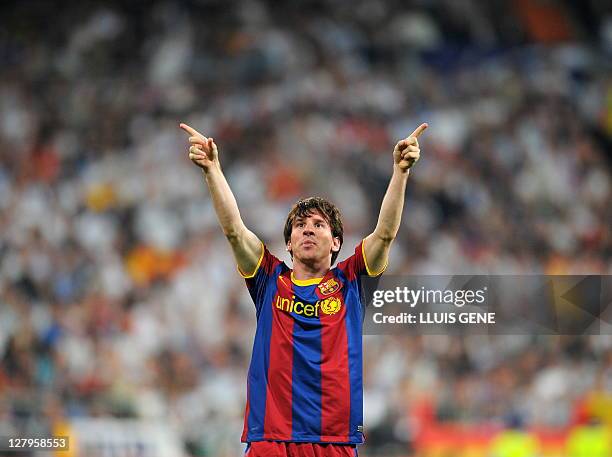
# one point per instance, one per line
(308, 231)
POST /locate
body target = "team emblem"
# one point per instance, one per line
(330, 305)
(329, 287)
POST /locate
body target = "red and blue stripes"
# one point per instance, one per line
(335, 379)
(278, 418)
(305, 377)
(307, 399)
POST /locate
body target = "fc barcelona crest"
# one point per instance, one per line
(329, 287)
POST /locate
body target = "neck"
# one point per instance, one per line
(303, 270)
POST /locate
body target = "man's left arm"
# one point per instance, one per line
(376, 246)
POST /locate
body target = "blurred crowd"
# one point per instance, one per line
(118, 293)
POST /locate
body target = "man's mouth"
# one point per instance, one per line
(308, 243)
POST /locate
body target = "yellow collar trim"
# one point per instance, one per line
(305, 282)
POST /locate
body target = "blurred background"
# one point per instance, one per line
(123, 321)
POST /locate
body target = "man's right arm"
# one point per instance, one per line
(246, 246)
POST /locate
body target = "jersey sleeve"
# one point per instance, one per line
(260, 280)
(359, 276)
(357, 265)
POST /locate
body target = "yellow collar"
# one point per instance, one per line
(305, 282)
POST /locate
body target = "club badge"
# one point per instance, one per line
(329, 287)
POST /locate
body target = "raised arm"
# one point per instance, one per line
(247, 248)
(376, 246)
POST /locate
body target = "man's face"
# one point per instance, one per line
(311, 238)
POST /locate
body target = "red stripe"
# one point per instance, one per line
(278, 420)
(354, 265)
(245, 429)
(335, 385)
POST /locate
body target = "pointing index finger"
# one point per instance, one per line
(420, 129)
(191, 130)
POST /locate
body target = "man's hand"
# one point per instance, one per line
(203, 151)
(247, 248)
(406, 151)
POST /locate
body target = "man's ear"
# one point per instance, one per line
(289, 246)
(335, 244)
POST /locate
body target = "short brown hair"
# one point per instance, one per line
(305, 207)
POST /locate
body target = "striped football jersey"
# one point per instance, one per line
(305, 377)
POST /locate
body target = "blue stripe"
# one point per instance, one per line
(260, 362)
(306, 420)
(353, 324)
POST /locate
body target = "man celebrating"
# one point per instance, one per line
(304, 387)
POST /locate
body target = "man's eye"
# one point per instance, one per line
(318, 225)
